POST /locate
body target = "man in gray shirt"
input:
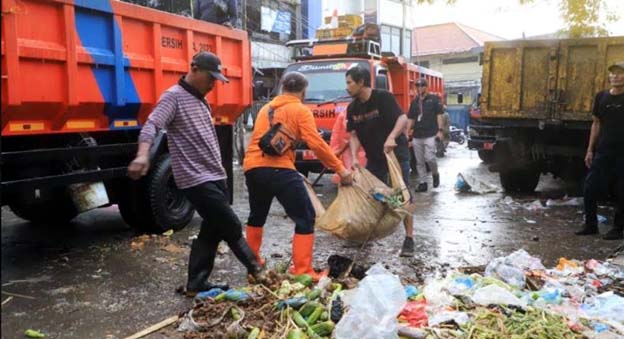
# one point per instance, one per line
(196, 163)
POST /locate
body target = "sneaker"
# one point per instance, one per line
(614, 234)
(408, 247)
(436, 180)
(422, 187)
(588, 230)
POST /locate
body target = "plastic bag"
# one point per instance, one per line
(459, 318)
(374, 307)
(493, 294)
(467, 183)
(606, 306)
(355, 214)
(415, 313)
(510, 269)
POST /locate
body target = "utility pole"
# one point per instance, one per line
(403, 32)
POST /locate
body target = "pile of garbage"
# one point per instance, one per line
(514, 297)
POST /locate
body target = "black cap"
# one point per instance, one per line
(210, 62)
(615, 65)
(421, 82)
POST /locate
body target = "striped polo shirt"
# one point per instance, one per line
(192, 139)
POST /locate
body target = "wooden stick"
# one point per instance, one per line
(154, 328)
(7, 300)
(19, 295)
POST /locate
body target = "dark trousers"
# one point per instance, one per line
(597, 186)
(211, 200)
(287, 186)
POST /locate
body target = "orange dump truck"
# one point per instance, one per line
(79, 79)
(325, 62)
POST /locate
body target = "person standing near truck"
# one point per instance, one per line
(222, 12)
(605, 154)
(196, 163)
(274, 176)
(425, 115)
(377, 123)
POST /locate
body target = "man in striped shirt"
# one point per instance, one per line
(196, 163)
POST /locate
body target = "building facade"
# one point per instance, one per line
(394, 18)
(456, 51)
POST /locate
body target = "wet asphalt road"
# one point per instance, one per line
(97, 278)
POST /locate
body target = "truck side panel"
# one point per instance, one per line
(404, 75)
(101, 65)
(583, 72)
(546, 79)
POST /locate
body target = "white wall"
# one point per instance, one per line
(265, 55)
(343, 7)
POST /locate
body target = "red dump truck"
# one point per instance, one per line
(325, 62)
(79, 78)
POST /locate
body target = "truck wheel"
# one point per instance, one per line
(156, 205)
(519, 180)
(170, 208)
(57, 211)
(486, 156)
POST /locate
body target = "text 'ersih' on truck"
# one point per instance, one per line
(536, 106)
(78, 81)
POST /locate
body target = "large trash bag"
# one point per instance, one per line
(368, 209)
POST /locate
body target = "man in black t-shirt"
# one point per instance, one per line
(377, 123)
(605, 154)
(425, 116)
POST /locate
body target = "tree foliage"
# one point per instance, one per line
(583, 18)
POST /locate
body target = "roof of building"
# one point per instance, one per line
(448, 38)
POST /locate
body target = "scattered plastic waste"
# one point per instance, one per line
(515, 293)
(411, 291)
(374, 307)
(606, 306)
(493, 294)
(565, 201)
(467, 183)
(415, 313)
(602, 219)
(510, 269)
(459, 318)
(212, 293)
(534, 206)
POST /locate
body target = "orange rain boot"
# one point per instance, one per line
(254, 239)
(303, 245)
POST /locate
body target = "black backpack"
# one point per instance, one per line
(278, 139)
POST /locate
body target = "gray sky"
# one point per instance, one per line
(506, 18)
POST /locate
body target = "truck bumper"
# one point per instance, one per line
(306, 161)
(481, 143)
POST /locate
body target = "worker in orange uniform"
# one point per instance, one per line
(274, 176)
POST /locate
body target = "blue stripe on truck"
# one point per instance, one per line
(101, 36)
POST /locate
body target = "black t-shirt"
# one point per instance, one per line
(610, 110)
(427, 125)
(373, 121)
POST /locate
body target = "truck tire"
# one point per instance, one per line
(519, 180)
(486, 156)
(156, 205)
(56, 211)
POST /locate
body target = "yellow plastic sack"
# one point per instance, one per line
(357, 216)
